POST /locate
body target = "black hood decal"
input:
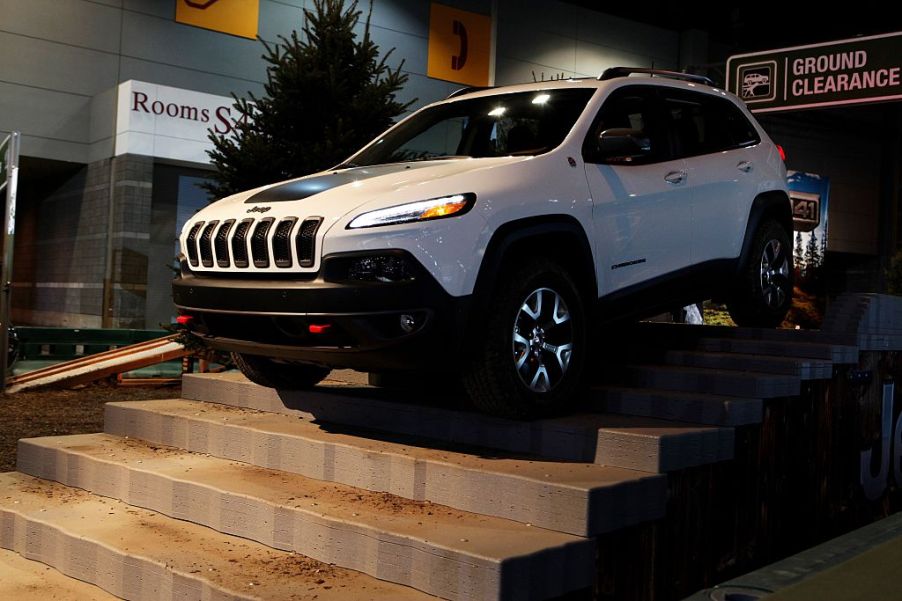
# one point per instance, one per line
(300, 189)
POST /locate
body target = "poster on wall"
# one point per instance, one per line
(809, 194)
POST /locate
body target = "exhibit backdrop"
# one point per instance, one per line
(809, 193)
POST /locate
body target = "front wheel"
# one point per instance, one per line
(529, 358)
(763, 292)
(277, 374)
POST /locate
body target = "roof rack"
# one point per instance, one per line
(625, 71)
(467, 90)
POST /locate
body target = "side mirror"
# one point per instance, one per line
(622, 145)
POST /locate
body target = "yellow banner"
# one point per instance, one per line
(460, 45)
(237, 17)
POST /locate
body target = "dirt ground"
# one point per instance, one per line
(55, 412)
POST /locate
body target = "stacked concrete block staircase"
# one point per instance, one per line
(235, 491)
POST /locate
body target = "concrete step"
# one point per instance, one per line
(409, 413)
(578, 498)
(835, 353)
(433, 548)
(26, 580)
(654, 445)
(714, 381)
(141, 555)
(803, 368)
(695, 407)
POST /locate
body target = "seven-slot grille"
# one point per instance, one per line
(264, 242)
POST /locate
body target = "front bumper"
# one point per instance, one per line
(363, 320)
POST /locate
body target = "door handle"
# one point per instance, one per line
(675, 177)
(744, 166)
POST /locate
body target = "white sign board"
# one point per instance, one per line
(170, 123)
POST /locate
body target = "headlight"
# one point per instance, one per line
(424, 210)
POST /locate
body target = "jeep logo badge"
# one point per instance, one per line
(258, 209)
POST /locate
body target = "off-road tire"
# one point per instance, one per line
(490, 374)
(275, 374)
(748, 304)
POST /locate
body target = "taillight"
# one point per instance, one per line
(782, 153)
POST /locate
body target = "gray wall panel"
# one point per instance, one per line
(179, 77)
(410, 48)
(407, 16)
(550, 50)
(157, 8)
(539, 15)
(614, 32)
(51, 115)
(43, 64)
(163, 41)
(278, 19)
(77, 22)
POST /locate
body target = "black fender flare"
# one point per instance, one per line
(570, 235)
(767, 205)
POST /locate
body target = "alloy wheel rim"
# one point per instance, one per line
(774, 274)
(542, 340)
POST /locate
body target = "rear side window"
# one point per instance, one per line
(703, 124)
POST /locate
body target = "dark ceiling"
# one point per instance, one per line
(761, 25)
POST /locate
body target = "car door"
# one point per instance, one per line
(718, 143)
(641, 206)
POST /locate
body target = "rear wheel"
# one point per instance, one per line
(529, 358)
(763, 292)
(277, 374)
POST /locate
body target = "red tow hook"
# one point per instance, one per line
(319, 328)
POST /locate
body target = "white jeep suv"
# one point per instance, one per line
(487, 235)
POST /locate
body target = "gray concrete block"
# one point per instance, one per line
(694, 407)
(835, 353)
(576, 498)
(26, 580)
(435, 549)
(141, 555)
(653, 445)
(571, 438)
(802, 368)
(715, 381)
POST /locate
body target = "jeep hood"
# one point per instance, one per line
(333, 194)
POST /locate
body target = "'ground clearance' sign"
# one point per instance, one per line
(855, 71)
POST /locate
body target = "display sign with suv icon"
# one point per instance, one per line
(492, 236)
(757, 82)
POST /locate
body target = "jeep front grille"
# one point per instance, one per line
(259, 250)
(306, 241)
(266, 242)
(191, 243)
(206, 247)
(221, 243)
(239, 243)
(281, 243)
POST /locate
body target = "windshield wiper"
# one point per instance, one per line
(344, 166)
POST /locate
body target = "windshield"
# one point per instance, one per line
(524, 123)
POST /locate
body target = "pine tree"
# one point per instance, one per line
(811, 254)
(798, 251)
(326, 95)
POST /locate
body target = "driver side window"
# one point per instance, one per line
(632, 107)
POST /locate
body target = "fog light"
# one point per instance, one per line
(408, 323)
(380, 268)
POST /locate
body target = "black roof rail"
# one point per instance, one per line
(625, 71)
(467, 90)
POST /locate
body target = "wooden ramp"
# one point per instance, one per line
(101, 365)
